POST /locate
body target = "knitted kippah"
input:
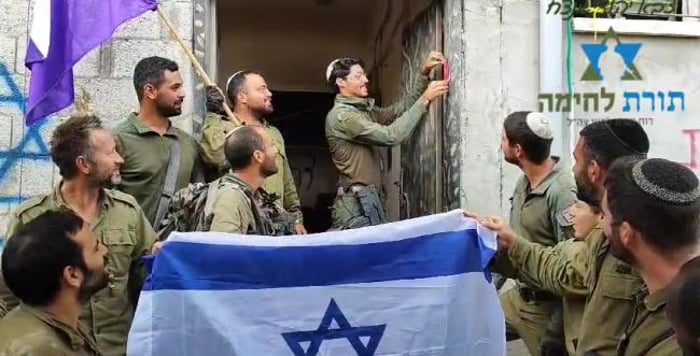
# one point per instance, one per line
(666, 180)
(539, 125)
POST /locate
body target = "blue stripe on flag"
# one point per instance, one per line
(200, 266)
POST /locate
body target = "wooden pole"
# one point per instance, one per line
(197, 66)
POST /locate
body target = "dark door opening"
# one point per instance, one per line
(301, 117)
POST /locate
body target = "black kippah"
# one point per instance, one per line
(665, 180)
(630, 135)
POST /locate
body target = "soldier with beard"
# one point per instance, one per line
(87, 159)
(609, 284)
(238, 205)
(651, 218)
(252, 102)
(539, 212)
(53, 264)
(160, 159)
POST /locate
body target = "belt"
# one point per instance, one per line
(532, 295)
(352, 188)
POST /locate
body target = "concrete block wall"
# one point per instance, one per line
(105, 73)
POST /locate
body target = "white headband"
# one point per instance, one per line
(539, 125)
(231, 78)
(329, 69)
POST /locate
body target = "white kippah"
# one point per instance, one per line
(329, 69)
(231, 78)
(539, 125)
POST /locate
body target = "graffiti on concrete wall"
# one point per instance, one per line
(29, 147)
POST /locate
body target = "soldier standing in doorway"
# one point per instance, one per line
(252, 101)
(354, 126)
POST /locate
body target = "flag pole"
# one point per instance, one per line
(197, 66)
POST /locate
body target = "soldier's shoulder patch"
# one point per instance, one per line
(122, 197)
(564, 217)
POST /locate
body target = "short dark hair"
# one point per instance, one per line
(638, 194)
(341, 69)
(605, 141)
(71, 139)
(537, 149)
(589, 199)
(682, 298)
(236, 84)
(34, 257)
(151, 70)
(240, 145)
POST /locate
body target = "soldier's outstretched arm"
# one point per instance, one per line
(361, 129)
(387, 115)
(212, 142)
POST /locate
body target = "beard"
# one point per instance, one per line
(618, 250)
(269, 168)
(262, 111)
(103, 178)
(168, 110)
(585, 187)
(94, 282)
(511, 158)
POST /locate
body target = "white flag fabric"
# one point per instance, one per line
(414, 287)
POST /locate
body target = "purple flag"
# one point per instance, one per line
(63, 31)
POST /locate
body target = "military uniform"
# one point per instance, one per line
(649, 331)
(353, 127)
(281, 183)
(241, 210)
(124, 230)
(539, 215)
(30, 331)
(609, 284)
(572, 305)
(146, 155)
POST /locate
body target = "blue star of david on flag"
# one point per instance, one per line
(345, 331)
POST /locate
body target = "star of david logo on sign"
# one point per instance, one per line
(354, 334)
(611, 42)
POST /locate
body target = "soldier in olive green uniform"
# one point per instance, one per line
(160, 159)
(610, 285)
(53, 264)
(114, 217)
(238, 207)
(539, 213)
(251, 99)
(354, 126)
(651, 209)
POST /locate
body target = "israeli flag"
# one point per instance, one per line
(415, 287)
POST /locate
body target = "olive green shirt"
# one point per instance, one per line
(281, 183)
(355, 125)
(541, 215)
(28, 331)
(146, 155)
(572, 305)
(609, 285)
(233, 211)
(122, 227)
(649, 332)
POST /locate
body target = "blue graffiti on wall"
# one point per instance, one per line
(12, 158)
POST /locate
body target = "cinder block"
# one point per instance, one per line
(112, 99)
(181, 16)
(36, 177)
(146, 26)
(14, 17)
(126, 53)
(8, 47)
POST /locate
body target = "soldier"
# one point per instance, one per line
(683, 308)
(354, 126)
(86, 156)
(252, 101)
(609, 284)
(539, 213)
(586, 216)
(651, 219)
(160, 159)
(240, 205)
(53, 264)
